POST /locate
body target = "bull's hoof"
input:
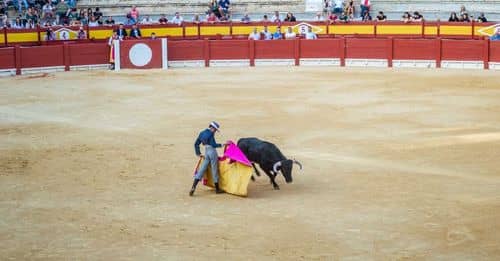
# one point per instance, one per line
(252, 178)
(276, 187)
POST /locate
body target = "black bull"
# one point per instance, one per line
(269, 158)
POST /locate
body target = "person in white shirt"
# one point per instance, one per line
(147, 20)
(177, 19)
(290, 34)
(276, 17)
(93, 22)
(310, 35)
(267, 35)
(254, 35)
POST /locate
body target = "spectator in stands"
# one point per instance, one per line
(265, 19)
(196, 19)
(482, 18)
(381, 16)
(135, 32)
(319, 17)
(332, 17)
(47, 11)
(134, 14)
(277, 35)
(18, 24)
(276, 17)
(310, 35)
(406, 18)
(290, 18)
(338, 6)
(290, 34)
(20, 4)
(31, 15)
(30, 24)
(245, 19)
(62, 9)
(73, 15)
(97, 14)
(327, 6)
(153, 36)
(213, 7)
(177, 19)
(417, 17)
(163, 19)
(212, 18)
(109, 21)
(147, 20)
(462, 10)
(366, 16)
(121, 32)
(93, 22)
(223, 18)
(496, 36)
(254, 35)
(225, 8)
(365, 6)
(267, 35)
(453, 17)
(349, 9)
(465, 18)
(83, 17)
(82, 34)
(49, 34)
(344, 17)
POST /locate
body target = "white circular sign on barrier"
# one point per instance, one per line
(140, 54)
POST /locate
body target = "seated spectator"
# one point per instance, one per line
(465, 18)
(290, 18)
(109, 21)
(290, 34)
(30, 24)
(135, 32)
(97, 14)
(319, 17)
(163, 19)
(93, 22)
(277, 35)
(20, 3)
(267, 35)
(245, 19)
(49, 34)
(212, 18)
(84, 18)
(254, 35)
(47, 10)
(338, 6)
(381, 16)
(81, 34)
(417, 17)
(496, 36)
(453, 17)
(366, 17)
(121, 33)
(177, 19)
(153, 36)
(344, 17)
(332, 17)
(310, 35)
(265, 19)
(134, 14)
(224, 18)
(349, 9)
(213, 7)
(482, 18)
(196, 19)
(147, 20)
(31, 15)
(406, 18)
(224, 8)
(18, 24)
(73, 15)
(276, 17)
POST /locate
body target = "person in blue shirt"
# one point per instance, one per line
(496, 36)
(277, 35)
(207, 139)
(224, 7)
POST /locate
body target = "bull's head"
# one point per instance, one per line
(286, 168)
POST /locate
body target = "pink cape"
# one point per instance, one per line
(234, 153)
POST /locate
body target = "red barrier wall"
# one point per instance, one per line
(495, 51)
(275, 49)
(42, 56)
(230, 49)
(415, 49)
(7, 58)
(185, 50)
(86, 54)
(321, 48)
(462, 50)
(366, 48)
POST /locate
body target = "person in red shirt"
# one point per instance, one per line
(331, 17)
(212, 18)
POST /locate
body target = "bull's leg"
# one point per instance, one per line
(256, 170)
(271, 177)
(252, 178)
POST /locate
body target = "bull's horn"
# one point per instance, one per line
(276, 165)
(298, 163)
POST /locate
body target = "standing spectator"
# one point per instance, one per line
(290, 34)
(82, 34)
(406, 18)
(163, 19)
(417, 17)
(290, 18)
(177, 19)
(276, 17)
(61, 10)
(254, 35)
(310, 35)
(135, 32)
(381, 16)
(225, 7)
(20, 7)
(134, 14)
(365, 6)
(49, 34)
(267, 35)
(496, 36)
(47, 11)
(93, 22)
(349, 10)
(338, 6)
(147, 20)
(212, 18)
(277, 35)
(265, 19)
(213, 7)
(482, 18)
(109, 21)
(366, 16)
(245, 19)
(196, 19)
(453, 17)
(319, 17)
(121, 32)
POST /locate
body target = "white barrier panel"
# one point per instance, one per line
(366, 62)
(462, 64)
(187, 63)
(494, 66)
(89, 67)
(414, 63)
(8, 72)
(42, 70)
(319, 62)
(229, 63)
(274, 62)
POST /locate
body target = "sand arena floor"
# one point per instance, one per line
(398, 164)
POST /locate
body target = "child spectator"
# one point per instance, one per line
(381, 17)
(453, 17)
